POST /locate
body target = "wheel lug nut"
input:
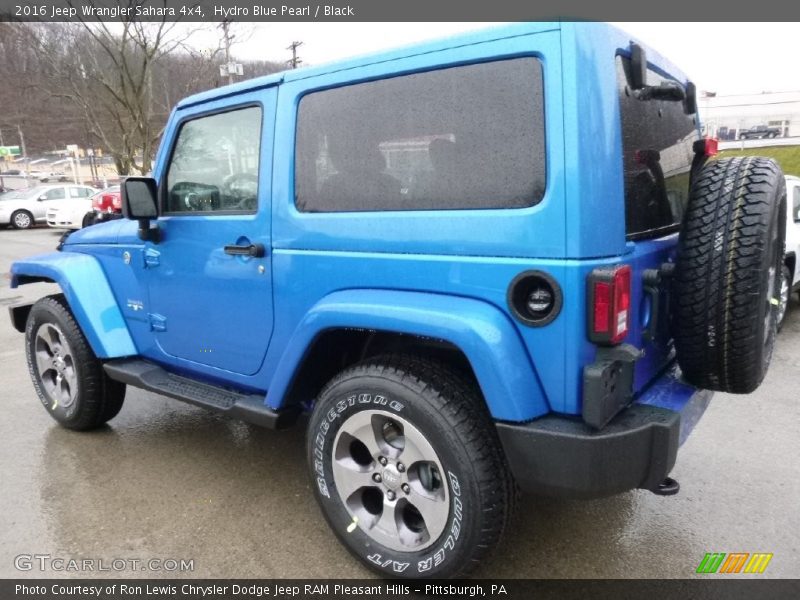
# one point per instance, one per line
(377, 478)
(383, 460)
(401, 467)
(390, 495)
(406, 488)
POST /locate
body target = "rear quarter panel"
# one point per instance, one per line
(466, 253)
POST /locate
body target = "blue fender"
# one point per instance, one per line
(484, 333)
(89, 296)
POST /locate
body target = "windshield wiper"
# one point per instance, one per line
(668, 90)
(671, 91)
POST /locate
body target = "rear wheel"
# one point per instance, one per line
(408, 468)
(88, 219)
(728, 274)
(68, 377)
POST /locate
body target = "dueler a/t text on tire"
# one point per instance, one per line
(408, 469)
(728, 274)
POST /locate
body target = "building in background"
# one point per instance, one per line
(769, 115)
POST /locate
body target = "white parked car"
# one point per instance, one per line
(791, 263)
(23, 208)
(72, 215)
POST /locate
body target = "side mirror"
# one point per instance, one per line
(42, 198)
(638, 67)
(140, 202)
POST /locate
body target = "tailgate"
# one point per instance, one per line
(657, 139)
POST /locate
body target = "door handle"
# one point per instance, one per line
(252, 250)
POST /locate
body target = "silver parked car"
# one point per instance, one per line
(22, 208)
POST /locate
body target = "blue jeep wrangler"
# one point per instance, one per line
(500, 261)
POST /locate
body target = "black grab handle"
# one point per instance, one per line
(254, 250)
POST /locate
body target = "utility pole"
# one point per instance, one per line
(227, 38)
(229, 68)
(294, 61)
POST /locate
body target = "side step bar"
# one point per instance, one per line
(247, 407)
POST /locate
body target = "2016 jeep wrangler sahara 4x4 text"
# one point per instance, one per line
(493, 262)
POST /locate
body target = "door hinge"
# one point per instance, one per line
(157, 322)
(152, 257)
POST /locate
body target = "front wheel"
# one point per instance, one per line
(69, 379)
(408, 469)
(22, 219)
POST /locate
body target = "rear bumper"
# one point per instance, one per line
(564, 457)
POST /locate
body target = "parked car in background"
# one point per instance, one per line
(23, 208)
(53, 176)
(71, 215)
(107, 204)
(790, 281)
(759, 132)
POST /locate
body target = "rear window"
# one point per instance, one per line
(457, 138)
(657, 138)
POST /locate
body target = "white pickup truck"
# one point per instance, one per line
(791, 263)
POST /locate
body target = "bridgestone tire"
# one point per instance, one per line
(92, 398)
(728, 274)
(475, 485)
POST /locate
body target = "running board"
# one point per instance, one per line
(248, 407)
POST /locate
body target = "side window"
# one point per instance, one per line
(214, 164)
(468, 137)
(796, 204)
(78, 192)
(55, 194)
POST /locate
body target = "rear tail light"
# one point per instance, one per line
(609, 290)
(116, 202)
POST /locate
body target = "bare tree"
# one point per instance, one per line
(106, 85)
(108, 73)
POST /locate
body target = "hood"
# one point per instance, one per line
(118, 231)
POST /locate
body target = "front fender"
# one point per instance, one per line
(86, 289)
(485, 334)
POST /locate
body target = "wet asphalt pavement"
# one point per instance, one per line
(166, 480)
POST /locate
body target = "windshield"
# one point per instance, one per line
(21, 194)
(114, 189)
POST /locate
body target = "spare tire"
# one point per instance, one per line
(728, 274)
